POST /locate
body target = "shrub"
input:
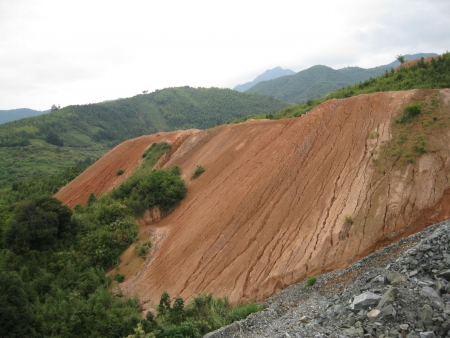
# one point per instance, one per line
(348, 220)
(160, 188)
(202, 315)
(409, 112)
(374, 134)
(119, 277)
(38, 224)
(156, 150)
(142, 251)
(311, 281)
(120, 172)
(200, 170)
(176, 170)
(91, 199)
(419, 147)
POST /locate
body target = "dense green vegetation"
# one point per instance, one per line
(409, 112)
(47, 185)
(433, 74)
(202, 315)
(116, 121)
(41, 160)
(76, 133)
(59, 285)
(53, 261)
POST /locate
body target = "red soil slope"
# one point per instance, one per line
(270, 208)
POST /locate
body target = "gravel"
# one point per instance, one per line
(399, 291)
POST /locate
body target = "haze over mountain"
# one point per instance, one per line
(17, 114)
(320, 80)
(267, 75)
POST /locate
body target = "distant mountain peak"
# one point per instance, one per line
(320, 80)
(269, 74)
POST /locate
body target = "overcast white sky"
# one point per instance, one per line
(75, 52)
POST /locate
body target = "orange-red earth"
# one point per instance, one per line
(282, 200)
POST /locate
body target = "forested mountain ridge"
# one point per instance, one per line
(319, 80)
(88, 131)
(313, 82)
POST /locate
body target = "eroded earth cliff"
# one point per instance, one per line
(285, 199)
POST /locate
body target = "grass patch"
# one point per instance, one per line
(420, 145)
(119, 277)
(412, 132)
(374, 134)
(143, 249)
(200, 170)
(202, 315)
(409, 112)
(348, 220)
(311, 281)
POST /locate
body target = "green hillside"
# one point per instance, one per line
(424, 75)
(311, 83)
(49, 143)
(319, 81)
(428, 75)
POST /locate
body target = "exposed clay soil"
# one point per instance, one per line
(270, 208)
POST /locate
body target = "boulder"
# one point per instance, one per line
(365, 300)
(388, 298)
(394, 278)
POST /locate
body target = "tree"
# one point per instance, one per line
(16, 316)
(37, 224)
(164, 304)
(401, 58)
(91, 199)
(55, 107)
(54, 139)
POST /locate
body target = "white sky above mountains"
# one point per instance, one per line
(76, 52)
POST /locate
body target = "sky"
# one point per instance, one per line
(79, 52)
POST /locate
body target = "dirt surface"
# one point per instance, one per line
(270, 208)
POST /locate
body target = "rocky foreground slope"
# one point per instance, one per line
(287, 199)
(400, 291)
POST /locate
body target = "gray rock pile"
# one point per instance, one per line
(400, 291)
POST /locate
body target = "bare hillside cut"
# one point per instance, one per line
(283, 200)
